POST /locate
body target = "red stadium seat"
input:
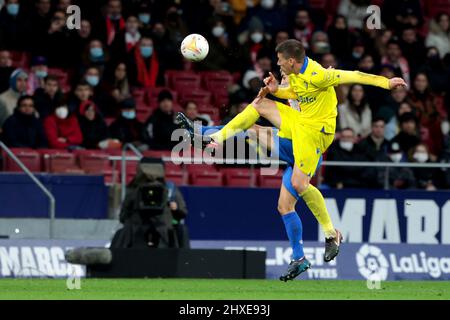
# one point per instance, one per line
(198, 96)
(270, 181)
(185, 82)
(60, 161)
(221, 99)
(156, 153)
(94, 161)
(206, 178)
(238, 177)
(217, 80)
(30, 158)
(20, 59)
(176, 175)
(191, 168)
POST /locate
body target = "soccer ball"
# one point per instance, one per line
(194, 47)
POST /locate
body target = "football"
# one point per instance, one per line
(194, 47)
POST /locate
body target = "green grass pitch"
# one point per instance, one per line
(167, 289)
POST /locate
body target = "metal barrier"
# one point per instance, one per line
(52, 205)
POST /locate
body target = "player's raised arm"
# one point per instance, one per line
(282, 92)
(334, 77)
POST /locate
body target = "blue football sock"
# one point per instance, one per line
(294, 230)
(210, 129)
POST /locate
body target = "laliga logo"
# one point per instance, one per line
(372, 264)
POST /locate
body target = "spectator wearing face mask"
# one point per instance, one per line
(425, 177)
(399, 178)
(100, 96)
(160, 125)
(252, 41)
(14, 26)
(143, 65)
(222, 55)
(6, 69)
(145, 18)
(344, 149)
(48, 97)
(320, 45)
(62, 128)
(126, 40)
(9, 98)
(95, 55)
(39, 71)
(355, 112)
(23, 129)
(126, 128)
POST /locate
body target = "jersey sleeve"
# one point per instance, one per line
(285, 93)
(332, 77)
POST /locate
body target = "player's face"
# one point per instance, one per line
(286, 65)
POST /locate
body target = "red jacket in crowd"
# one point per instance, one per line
(68, 128)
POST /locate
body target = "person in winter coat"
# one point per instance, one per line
(23, 129)
(93, 126)
(161, 124)
(9, 98)
(62, 128)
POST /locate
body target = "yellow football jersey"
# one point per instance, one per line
(313, 87)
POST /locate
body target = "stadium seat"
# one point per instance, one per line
(30, 158)
(185, 82)
(217, 80)
(60, 161)
(238, 177)
(221, 99)
(198, 96)
(169, 74)
(270, 181)
(156, 153)
(94, 161)
(206, 178)
(176, 175)
(20, 59)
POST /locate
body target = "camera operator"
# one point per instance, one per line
(152, 210)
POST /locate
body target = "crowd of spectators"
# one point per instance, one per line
(123, 46)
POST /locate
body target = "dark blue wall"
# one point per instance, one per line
(76, 196)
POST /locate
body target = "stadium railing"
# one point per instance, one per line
(49, 195)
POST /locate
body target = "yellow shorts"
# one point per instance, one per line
(308, 144)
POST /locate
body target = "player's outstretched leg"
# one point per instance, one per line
(185, 123)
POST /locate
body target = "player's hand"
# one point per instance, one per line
(395, 83)
(271, 83)
(263, 92)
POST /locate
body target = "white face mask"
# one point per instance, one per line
(346, 145)
(421, 157)
(445, 127)
(256, 37)
(62, 112)
(396, 157)
(267, 4)
(218, 31)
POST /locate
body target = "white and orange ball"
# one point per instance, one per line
(194, 47)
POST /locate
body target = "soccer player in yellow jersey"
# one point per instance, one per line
(311, 130)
